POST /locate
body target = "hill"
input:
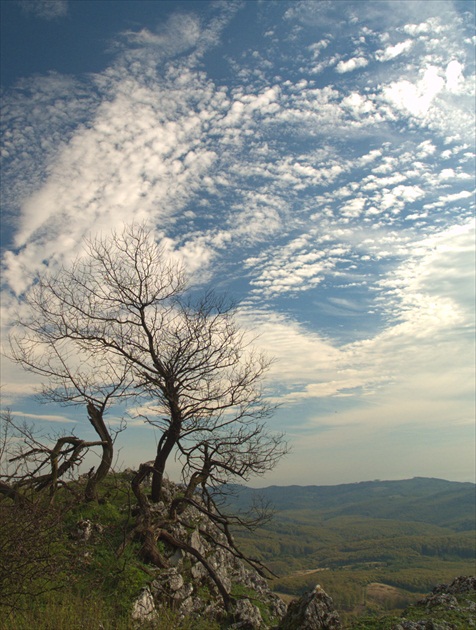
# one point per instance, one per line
(403, 536)
(374, 547)
(434, 501)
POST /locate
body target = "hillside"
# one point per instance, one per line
(436, 501)
(80, 562)
(377, 545)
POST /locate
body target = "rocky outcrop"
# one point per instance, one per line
(201, 575)
(447, 607)
(313, 611)
(143, 609)
(189, 582)
(459, 586)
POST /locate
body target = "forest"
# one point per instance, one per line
(373, 546)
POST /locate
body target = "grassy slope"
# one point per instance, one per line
(374, 547)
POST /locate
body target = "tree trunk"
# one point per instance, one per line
(163, 452)
(97, 421)
(168, 441)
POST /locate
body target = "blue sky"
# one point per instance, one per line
(314, 160)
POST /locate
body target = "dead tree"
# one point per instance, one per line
(123, 308)
(71, 377)
(34, 462)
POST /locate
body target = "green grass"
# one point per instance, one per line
(68, 611)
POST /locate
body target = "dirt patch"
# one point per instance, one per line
(377, 589)
(389, 597)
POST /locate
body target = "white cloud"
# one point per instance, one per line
(43, 417)
(394, 51)
(415, 98)
(45, 9)
(301, 356)
(463, 194)
(358, 104)
(300, 265)
(351, 64)
(417, 29)
(180, 33)
(426, 346)
(353, 207)
(454, 77)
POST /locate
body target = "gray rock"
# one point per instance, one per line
(143, 608)
(313, 611)
(458, 586)
(443, 596)
(196, 542)
(187, 586)
(247, 616)
(86, 528)
(175, 558)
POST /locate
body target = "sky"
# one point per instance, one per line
(314, 160)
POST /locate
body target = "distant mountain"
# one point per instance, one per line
(439, 502)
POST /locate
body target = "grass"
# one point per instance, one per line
(69, 611)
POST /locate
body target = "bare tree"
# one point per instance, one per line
(121, 326)
(123, 306)
(72, 377)
(30, 460)
(205, 383)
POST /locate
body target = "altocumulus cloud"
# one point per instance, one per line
(321, 171)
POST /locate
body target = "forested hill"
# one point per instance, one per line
(435, 501)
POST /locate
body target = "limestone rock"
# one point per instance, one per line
(458, 586)
(313, 611)
(86, 528)
(187, 586)
(444, 597)
(143, 608)
(247, 615)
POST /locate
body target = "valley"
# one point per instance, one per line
(375, 547)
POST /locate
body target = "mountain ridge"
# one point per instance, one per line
(450, 504)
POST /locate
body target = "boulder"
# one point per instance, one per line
(143, 608)
(313, 611)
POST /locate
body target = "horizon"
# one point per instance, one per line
(314, 161)
(353, 483)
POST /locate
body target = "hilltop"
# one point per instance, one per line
(375, 548)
